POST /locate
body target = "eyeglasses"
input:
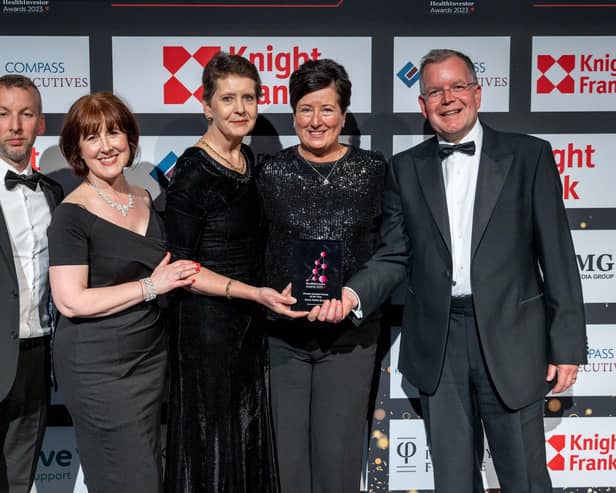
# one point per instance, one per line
(437, 94)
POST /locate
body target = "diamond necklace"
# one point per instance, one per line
(121, 208)
(240, 169)
(324, 178)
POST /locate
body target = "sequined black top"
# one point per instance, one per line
(299, 203)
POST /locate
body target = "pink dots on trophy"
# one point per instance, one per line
(318, 272)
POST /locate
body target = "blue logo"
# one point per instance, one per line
(163, 171)
(409, 74)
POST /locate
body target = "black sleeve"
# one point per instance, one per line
(68, 235)
(185, 211)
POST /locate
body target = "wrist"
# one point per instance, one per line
(148, 289)
(228, 289)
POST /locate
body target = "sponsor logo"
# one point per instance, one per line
(583, 452)
(34, 159)
(45, 74)
(52, 460)
(547, 64)
(409, 74)
(33, 67)
(580, 73)
(175, 77)
(569, 157)
(60, 78)
(596, 265)
(176, 57)
(181, 64)
(490, 57)
(600, 353)
(163, 171)
(406, 450)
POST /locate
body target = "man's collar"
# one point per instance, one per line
(6, 166)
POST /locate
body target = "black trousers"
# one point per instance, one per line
(23, 415)
(320, 404)
(464, 400)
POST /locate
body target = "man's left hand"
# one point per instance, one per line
(565, 375)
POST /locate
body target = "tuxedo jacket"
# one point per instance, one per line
(9, 294)
(524, 279)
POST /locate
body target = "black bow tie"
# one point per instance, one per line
(12, 179)
(445, 150)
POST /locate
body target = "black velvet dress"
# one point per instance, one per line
(219, 428)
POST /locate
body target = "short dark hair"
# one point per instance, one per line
(86, 116)
(440, 55)
(222, 65)
(314, 75)
(22, 82)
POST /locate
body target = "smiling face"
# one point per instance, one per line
(232, 109)
(20, 122)
(105, 153)
(318, 121)
(452, 116)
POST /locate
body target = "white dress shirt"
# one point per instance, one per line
(27, 216)
(460, 176)
(460, 173)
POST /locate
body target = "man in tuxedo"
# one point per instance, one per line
(26, 201)
(493, 317)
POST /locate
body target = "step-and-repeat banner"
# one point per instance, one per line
(546, 68)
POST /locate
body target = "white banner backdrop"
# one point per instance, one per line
(489, 54)
(596, 257)
(580, 452)
(598, 377)
(587, 168)
(58, 65)
(172, 67)
(573, 73)
(58, 468)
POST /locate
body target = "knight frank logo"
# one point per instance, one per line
(581, 73)
(555, 74)
(583, 452)
(558, 461)
(175, 58)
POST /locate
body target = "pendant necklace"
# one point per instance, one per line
(121, 208)
(324, 178)
(239, 169)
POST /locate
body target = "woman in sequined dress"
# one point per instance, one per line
(219, 426)
(320, 373)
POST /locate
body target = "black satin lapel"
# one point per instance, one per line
(6, 252)
(50, 195)
(430, 178)
(490, 181)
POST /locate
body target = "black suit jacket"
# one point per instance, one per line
(9, 294)
(526, 287)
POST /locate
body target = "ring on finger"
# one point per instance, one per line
(179, 274)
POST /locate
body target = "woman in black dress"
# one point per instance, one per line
(105, 251)
(320, 373)
(219, 423)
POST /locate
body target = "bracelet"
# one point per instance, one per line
(227, 294)
(150, 290)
